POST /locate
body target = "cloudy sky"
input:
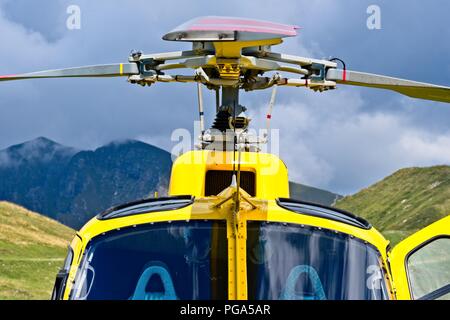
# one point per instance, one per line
(342, 140)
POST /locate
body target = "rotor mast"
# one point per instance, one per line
(230, 99)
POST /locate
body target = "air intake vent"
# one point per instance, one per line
(218, 180)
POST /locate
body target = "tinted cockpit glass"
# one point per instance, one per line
(179, 260)
(290, 262)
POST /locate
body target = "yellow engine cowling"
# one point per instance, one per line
(189, 172)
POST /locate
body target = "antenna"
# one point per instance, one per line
(271, 104)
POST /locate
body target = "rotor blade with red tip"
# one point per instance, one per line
(106, 70)
(409, 88)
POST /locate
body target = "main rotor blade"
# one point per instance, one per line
(106, 70)
(409, 88)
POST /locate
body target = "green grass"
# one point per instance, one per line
(403, 202)
(32, 249)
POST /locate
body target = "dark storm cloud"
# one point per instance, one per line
(342, 140)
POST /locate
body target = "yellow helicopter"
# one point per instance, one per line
(228, 229)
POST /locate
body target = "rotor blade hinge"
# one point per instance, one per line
(317, 71)
(147, 67)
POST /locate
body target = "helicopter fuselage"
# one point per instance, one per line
(240, 240)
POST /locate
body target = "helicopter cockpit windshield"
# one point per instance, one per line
(188, 260)
(162, 261)
(292, 262)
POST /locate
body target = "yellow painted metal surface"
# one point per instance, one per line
(189, 171)
(401, 251)
(232, 265)
(77, 247)
(241, 257)
(233, 49)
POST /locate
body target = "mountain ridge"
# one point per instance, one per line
(72, 185)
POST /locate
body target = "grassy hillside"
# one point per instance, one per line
(32, 249)
(403, 202)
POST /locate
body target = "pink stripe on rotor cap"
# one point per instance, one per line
(242, 29)
(231, 24)
(248, 22)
